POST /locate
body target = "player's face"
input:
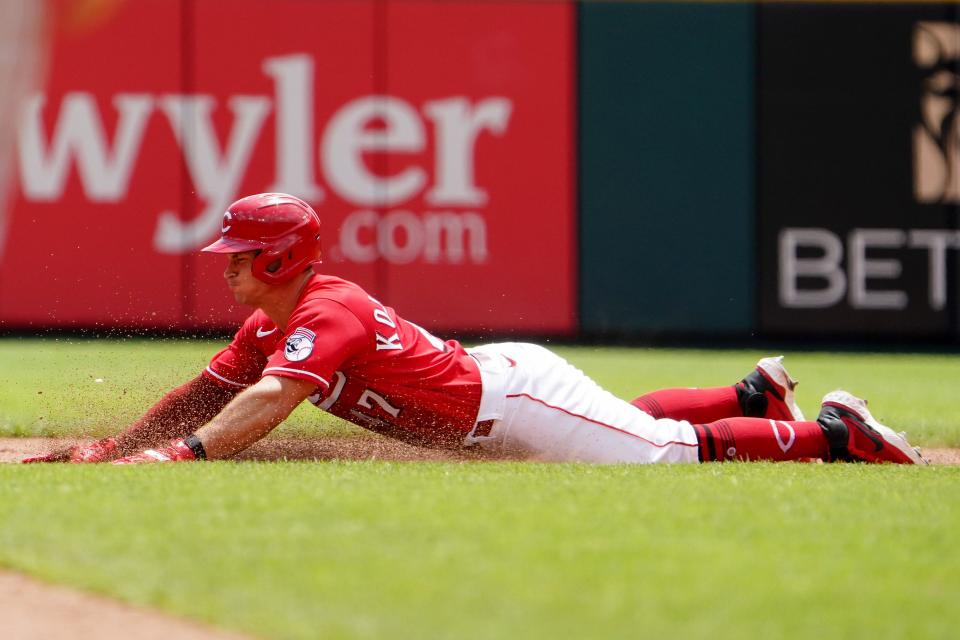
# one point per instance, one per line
(245, 288)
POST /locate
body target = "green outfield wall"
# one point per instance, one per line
(666, 167)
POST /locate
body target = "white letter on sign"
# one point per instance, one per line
(293, 79)
(861, 268)
(347, 138)
(79, 135)
(936, 242)
(826, 267)
(457, 127)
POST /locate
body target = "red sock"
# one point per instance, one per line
(697, 406)
(761, 439)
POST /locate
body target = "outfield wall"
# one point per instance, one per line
(552, 168)
(666, 168)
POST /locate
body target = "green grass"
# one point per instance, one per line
(496, 550)
(492, 550)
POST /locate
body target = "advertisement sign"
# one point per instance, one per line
(434, 140)
(859, 169)
(92, 160)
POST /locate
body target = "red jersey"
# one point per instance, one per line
(371, 367)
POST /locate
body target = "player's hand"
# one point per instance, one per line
(176, 452)
(98, 451)
(56, 456)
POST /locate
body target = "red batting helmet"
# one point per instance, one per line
(285, 230)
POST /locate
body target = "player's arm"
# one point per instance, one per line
(247, 418)
(302, 361)
(176, 414)
(253, 414)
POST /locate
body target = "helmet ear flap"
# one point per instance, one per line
(283, 260)
(269, 267)
(269, 264)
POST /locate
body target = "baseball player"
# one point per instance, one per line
(317, 337)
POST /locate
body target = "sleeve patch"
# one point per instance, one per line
(299, 345)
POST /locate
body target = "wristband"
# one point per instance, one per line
(196, 446)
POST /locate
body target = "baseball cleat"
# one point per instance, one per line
(767, 392)
(854, 434)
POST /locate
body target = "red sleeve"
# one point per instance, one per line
(241, 363)
(320, 337)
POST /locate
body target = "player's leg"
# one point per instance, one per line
(766, 392)
(611, 434)
(844, 431)
(552, 411)
(761, 439)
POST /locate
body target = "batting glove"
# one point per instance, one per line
(178, 451)
(98, 451)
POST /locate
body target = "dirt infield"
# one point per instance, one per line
(272, 449)
(336, 448)
(30, 609)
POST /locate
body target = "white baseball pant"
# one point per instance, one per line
(544, 408)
